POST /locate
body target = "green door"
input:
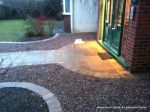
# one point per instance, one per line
(114, 12)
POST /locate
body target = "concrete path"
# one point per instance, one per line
(58, 28)
(87, 58)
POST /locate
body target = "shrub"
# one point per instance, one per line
(48, 28)
(53, 7)
(30, 25)
(22, 8)
(38, 27)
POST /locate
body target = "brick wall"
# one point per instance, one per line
(67, 23)
(136, 39)
(129, 34)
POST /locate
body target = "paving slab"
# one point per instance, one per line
(82, 58)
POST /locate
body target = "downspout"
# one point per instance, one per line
(72, 15)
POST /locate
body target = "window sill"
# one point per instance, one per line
(66, 13)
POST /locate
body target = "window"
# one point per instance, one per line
(66, 7)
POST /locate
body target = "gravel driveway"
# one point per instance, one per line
(51, 44)
(78, 92)
(81, 93)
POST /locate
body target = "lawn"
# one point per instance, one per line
(14, 30)
(11, 30)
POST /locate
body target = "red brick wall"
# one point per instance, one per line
(126, 28)
(136, 39)
(129, 33)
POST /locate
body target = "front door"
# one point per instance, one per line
(114, 12)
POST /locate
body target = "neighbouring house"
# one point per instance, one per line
(80, 15)
(124, 31)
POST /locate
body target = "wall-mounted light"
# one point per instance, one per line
(132, 13)
(134, 2)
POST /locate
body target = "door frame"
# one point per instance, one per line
(111, 49)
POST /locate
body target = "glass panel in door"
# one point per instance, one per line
(113, 23)
(117, 26)
(108, 21)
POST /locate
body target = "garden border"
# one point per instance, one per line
(30, 42)
(51, 100)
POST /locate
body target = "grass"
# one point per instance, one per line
(14, 30)
(11, 30)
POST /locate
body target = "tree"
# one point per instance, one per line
(22, 8)
(53, 7)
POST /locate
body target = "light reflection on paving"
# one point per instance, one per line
(82, 58)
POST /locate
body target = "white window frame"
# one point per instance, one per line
(64, 8)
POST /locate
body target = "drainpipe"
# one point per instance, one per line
(72, 15)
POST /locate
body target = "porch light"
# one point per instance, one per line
(78, 41)
(134, 2)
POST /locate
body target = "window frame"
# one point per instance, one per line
(64, 8)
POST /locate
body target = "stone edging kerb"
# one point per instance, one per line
(52, 102)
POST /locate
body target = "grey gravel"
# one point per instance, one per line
(81, 93)
(77, 92)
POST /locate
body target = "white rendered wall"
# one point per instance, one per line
(85, 15)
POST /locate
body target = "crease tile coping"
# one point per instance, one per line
(50, 99)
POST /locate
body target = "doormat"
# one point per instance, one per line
(105, 56)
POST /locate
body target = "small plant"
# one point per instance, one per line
(38, 27)
(51, 27)
(40, 22)
(30, 29)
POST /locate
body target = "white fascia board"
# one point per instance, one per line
(64, 13)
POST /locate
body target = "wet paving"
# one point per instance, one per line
(82, 58)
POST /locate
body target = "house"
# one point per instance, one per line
(123, 28)
(80, 15)
(124, 31)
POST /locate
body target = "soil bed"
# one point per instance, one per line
(21, 100)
